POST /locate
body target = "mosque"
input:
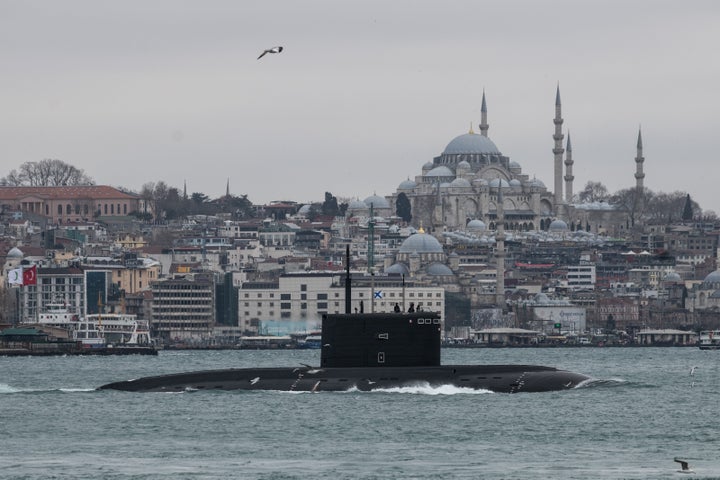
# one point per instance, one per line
(461, 186)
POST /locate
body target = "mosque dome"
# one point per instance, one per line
(514, 165)
(398, 268)
(463, 166)
(460, 182)
(421, 243)
(471, 143)
(407, 185)
(15, 253)
(428, 166)
(558, 226)
(712, 278)
(441, 171)
(536, 183)
(515, 183)
(377, 201)
(438, 269)
(672, 277)
(356, 205)
(476, 225)
(499, 182)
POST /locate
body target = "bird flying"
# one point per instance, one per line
(270, 50)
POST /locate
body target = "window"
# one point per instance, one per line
(284, 296)
(322, 296)
(303, 288)
(303, 306)
(68, 209)
(303, 296)
(285, 305)
(322, 305)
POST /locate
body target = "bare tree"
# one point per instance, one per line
(593, 192)
(46, 173)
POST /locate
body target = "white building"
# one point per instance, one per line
(305, 297)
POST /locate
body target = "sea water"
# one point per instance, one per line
(643, 408)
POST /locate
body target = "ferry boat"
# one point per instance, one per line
(709, 340)
(97, 330)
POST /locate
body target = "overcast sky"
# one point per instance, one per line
(364, 93)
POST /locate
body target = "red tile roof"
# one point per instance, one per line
(66, 192)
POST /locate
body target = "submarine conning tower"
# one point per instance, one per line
(381, 340)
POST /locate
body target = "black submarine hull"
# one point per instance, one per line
(495, 378)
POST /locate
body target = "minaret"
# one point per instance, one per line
(483, 120)
(639, 159)
(227, 188)
(185, 190)
(500, 249)
(558, 151)
(568, 171)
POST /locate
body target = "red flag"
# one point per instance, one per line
(30, 276)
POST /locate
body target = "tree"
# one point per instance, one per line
(330, 205)
(687, 214)
(633, 201)
(46, 173)
(403, 207)
(593, 192)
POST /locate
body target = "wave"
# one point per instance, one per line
(602, 382)
(5, 388)
(427, 389)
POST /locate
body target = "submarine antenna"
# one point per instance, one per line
(348, 288)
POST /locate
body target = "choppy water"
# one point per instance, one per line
(646, 409)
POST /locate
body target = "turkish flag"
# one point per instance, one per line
(30, 276)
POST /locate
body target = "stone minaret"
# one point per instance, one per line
(568, 171)
(483, 120)
(500, 250)
(558, 151)
(639, 159)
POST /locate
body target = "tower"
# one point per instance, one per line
(568, 171)
(558, 151)
(639, 160)
(483, 120)
(500, 250)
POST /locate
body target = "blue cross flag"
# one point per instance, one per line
(378, 294)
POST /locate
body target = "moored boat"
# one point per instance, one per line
(709, 340)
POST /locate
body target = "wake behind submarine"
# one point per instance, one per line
(368, 351)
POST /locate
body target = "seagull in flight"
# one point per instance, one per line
(270, 50)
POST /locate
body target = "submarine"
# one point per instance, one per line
(368, 351)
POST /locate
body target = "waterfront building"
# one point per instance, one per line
(183, 309)
(302, 298)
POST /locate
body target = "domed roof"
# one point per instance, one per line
(15, 253)
(713, 277)
(441, 171)
(460, 182)
(305, 209)
(471, 143)
(536, 183)
(356, 205)
(499, 182)
(377, 201)
(558, 226)
(438, 269)
(476, 225)
(407, 185)
(464, 165)
(514, 164)
(672, 277)
(515, 183)
(421, 243)
(398, 268)
(428, 166)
